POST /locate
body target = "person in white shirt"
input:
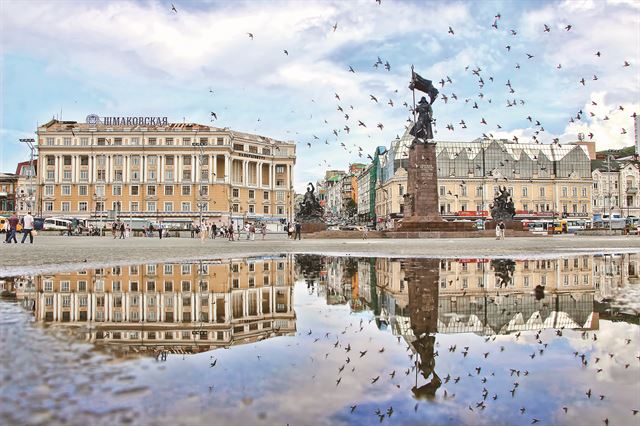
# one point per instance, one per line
(27, 227)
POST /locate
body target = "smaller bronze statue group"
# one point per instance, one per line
(310, 208)
(502, 207)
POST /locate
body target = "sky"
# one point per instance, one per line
(69, 59)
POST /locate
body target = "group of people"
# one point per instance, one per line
(11, 228)
(215, 230)
(500, 230)
(120, 230)
(294, 230)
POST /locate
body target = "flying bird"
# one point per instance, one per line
(173, 8)
(451, 31)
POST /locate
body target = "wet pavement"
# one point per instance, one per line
(306, 340)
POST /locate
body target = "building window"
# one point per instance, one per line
(84, 175)
(235, 193)
(280, 209)
(265, 209)
(151, 206)
(266, 195)
(186, 206)
(48, 190)
(220, 141)
(66, 190)
(279, 169)
(135, 141)
(236, 208)
(82, 206)
(186, 141)
(152, 141)
(66, 175)
(252, 194)
(168, 206)
(204, 190)
(49, 141)
(134, 206)
(252, 208)
(442, 191)
(584, 192)
(168, 141)
(48, 206)
(186, 190)
(116, 190)
(280, 196)
(152, 175)
(168, 190)
(564, 191)
(542, 192)
(66, 206)
(151, 190)
(134, 190)
(186, 160)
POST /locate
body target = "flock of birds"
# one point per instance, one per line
(336, 132)
(332, 346)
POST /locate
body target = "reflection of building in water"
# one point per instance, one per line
(206, 304)
(489, 296)
(614, 272)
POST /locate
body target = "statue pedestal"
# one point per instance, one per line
(311, 227)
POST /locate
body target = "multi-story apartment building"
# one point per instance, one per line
(8, 186)
(27, 187)
(615, 187)
(224, 302)
(166, 172)
(544, 180)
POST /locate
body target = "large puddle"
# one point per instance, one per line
(305, 340)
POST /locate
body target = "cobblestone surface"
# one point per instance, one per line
(50, 253)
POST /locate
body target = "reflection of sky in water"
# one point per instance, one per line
(292, 380)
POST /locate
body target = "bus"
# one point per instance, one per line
(56, 224)
(539, 226)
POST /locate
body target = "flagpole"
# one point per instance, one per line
(413, 91)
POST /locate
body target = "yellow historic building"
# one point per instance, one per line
(162, 172)
(196, 306)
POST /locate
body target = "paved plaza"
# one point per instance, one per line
(50, 253)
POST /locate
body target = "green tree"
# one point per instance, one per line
(350, 209)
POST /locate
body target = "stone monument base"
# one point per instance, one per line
(310, 227)
(428, 224)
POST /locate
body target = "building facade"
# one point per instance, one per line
(170, 173)
(544, 180)
(8, 186)
(27, 185)
(615, 188)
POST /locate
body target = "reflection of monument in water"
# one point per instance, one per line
(422, 276)
(181, 307)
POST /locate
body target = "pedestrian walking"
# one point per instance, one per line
(160, 230)
(365, 232)
(503, 229)
(263, 230)
(13, 228)
(497, 230)
(214, 230)
(230, 231)
(114, 228)
(127, 231)
(122, 230)
(193, 230)
(203, 232)
(27, 227)
(6, 228)
(298, 231)
(252, 231)
(289, 230)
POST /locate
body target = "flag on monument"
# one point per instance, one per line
(422, 84)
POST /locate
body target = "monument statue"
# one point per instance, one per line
(502, 207)
(422, 129)
(310, 208)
